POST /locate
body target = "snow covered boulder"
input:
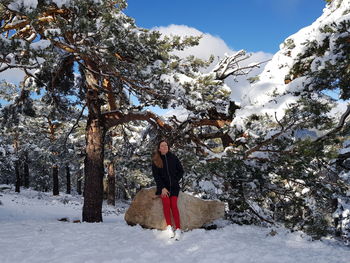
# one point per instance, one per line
(146, 210)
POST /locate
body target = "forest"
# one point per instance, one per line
(84, 118)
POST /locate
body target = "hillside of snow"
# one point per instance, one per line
(271, 92)
(30, 232)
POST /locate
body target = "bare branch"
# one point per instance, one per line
(280, 124)
(74, 126)
(24, 67)
(211, 122)
(230, 66)
(257, 214)
(114, 118)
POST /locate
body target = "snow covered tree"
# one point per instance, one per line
(116, 59)
(13, 119)
(279, 167)
(323, 61)
(6, 157)
(39, 138)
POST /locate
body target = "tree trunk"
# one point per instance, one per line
(55, 180)
(111, 184)
(93, 163)
(18, 176)
(120, 188)
(105, 188)
(79, 180)
(26, 170)
(93, 187)
(68, 179)
(79, 186)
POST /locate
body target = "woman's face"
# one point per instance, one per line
(163, 148)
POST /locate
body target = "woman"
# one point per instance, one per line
(167, 172)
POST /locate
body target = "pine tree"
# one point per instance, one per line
(116, 59)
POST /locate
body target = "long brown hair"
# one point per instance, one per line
(157, 160)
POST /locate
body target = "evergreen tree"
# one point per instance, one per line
(116, 59)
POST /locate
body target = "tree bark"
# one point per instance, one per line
(93, 163)
(111, 184)
(79, 186)
(55, 189)
(18, 176)
(68, 180)
(79, 180)
(26, 170)
(93, 188)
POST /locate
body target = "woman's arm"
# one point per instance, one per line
(157, 177)
(179, 169)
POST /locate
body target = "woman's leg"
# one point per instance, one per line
(166, 209)
(175, 211)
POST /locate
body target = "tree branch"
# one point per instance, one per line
(265, 142)
(339, 126)
(115, 118)
(230, 65)
(73, 127)
(210, 122)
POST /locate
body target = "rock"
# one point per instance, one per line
(66, 219)
(63, 219)
(147, 210)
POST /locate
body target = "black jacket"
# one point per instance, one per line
(168, 176)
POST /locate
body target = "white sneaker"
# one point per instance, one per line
(177, 234)
(169, 232)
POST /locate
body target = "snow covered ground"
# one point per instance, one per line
(30, 232)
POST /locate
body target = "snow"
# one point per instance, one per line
(41, 44)
(346, 143)
(27, 4)
(344, 150)
(258, 154)
(60, 3)
(207, 186)
(30, 232)
(305, 190)
(180, 113)
(272, 80)
(52, 32)
(31, 4)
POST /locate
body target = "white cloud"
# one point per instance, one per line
(208, 45)
(214, 45)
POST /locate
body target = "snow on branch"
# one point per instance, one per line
(268, 140)
(339, 126)
(114, 118)
(230, 65)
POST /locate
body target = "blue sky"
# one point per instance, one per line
(253, 25)
(228, 26)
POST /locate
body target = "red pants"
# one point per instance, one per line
(170, 203)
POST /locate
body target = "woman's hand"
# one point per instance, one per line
(165, 192)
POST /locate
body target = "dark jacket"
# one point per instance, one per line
(168, 176)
